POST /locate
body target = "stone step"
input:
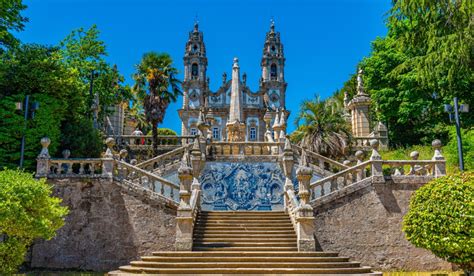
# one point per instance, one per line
(269, 217)
(205, 235)
(219, 264)
(244, 224)
(267, 258)
(242, 227)
(233, 220)
(246, 232)
(243, 239)
(242, 213)
(260, 270)
(244, 244)
(248, 248)
(276, 253)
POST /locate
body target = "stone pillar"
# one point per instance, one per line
(359, 107)
(184, 218)
(287, 162)
(377, 171)
(198, 160)
(108, 159)
(304, 213)
(440, 167)
(276, 127)
(42, 161)
(360, 159)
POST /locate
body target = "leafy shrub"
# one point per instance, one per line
(27, 212)
(451, 149)
(441, 218)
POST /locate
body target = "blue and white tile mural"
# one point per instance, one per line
(242, 186)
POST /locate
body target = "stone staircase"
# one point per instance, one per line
(241, 242)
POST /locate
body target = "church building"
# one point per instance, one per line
(235, 112)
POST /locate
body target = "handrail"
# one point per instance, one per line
(321, 159)
(146, 179)
(292, 205)
(74, 167)
(163, 157)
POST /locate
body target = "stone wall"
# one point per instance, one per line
(366, 226)
(106, 227)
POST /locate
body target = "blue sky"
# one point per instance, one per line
(324, 40)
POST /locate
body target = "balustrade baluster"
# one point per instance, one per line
(81, 168)
(171, 192)
(322, 189)
(162, 189)
(69, 168)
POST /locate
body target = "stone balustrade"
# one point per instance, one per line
(62, 168)
(146, 179)
(363, 143)
(319, 161)
(246, 148)
(380, 170)
(146, 141)
(164, 160)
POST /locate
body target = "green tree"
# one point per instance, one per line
(156, 73)
(37, 71)
(322, 128)
(441, 219)
(425, 60)
(27, 212)
(10, 20)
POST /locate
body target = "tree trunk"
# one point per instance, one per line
(155, 138)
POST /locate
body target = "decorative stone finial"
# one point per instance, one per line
(123, 153)
(185, 166)
(436, 144)
(66, 153)
(414, 155)
(287, 147)
(347, 162)
(45, 141)
(360, 82)
(224, 78)
(236, 62)
(303, 168)
(276, 123)
(360, 156)
(272, 25)
(374, 144)
(109, 142)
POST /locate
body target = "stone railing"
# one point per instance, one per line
(380, 170)
(246, 148)
(146, 179)
(69, 167)
(146, 141)
(319, 161)
(164, 160)
(297, 207)
(363, 143)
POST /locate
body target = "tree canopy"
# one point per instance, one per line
(11, 20)
(27, 212)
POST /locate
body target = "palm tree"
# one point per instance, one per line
(156, 72)
(322, 128)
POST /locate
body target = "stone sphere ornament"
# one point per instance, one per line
(436, 144)
(66, 153)
(414, 155)
(359, 155)
(110, 142)
(374, 143)
(45, 142)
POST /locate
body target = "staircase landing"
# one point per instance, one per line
(244, 242)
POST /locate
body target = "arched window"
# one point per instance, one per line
(273, 72)
(194, 71)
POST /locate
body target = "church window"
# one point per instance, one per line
(253, 134)
(216, 133)
(193, 131)
(194, 71)
(195, 48)
(273, 72)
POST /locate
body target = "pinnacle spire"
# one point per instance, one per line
(235, 112)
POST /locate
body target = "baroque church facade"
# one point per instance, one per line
(234, 112)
